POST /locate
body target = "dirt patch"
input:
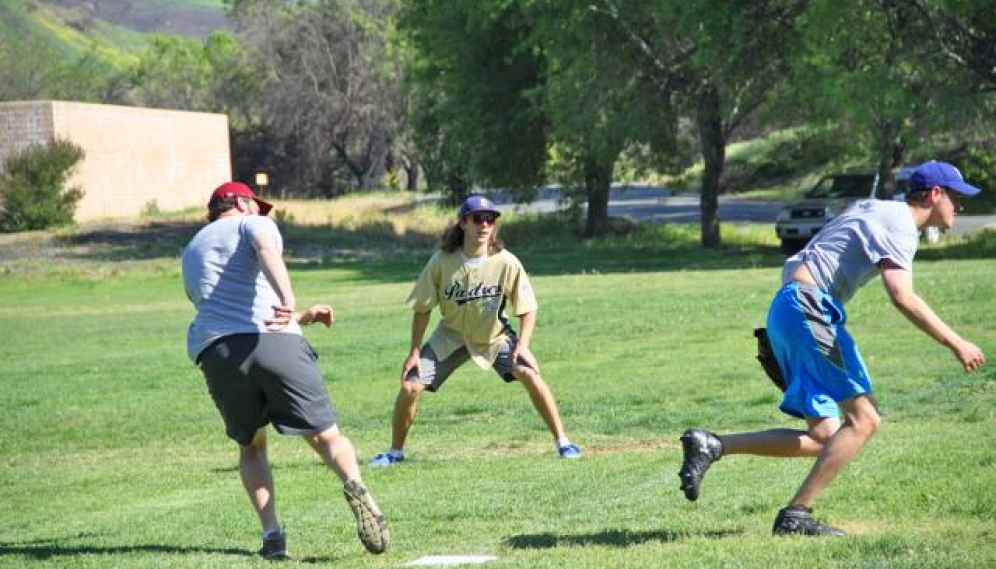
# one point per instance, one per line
(96, 243)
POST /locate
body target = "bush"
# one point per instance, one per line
(33, 193)
(977, 167)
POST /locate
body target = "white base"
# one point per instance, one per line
(447, 560)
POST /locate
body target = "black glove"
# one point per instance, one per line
(767, 358)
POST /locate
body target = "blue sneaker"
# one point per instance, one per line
(386, 459)
(569, 451)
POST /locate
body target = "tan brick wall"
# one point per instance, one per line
(134, 156)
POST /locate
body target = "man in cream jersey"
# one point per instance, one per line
(473, 279)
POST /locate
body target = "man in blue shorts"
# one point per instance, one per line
(826, 379)
(247, 340)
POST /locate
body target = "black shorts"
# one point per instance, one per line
(256, 379)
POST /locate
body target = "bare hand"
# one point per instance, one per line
(970, 356)
(318, 313)
(523, 356)
(282, 316)
(413, 361)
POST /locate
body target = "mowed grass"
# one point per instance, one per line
(112, 454)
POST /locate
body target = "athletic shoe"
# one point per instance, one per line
(798, 520)
(371, 525)
(274, 546)
(386, 459)
(701, 449)
(569, 450)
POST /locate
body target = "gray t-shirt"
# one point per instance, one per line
(847, 252)
(223, 278)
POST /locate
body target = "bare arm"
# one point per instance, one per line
(899, 286)
(420, 322)
(276, 272)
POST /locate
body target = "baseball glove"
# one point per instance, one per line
(767, 358)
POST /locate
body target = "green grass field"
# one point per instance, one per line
(112, 454)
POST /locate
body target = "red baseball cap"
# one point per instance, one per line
(232, 189)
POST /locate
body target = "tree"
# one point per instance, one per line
(472, 81)
(32, 68)
(871, 68)
(964, 33)
(723, 60)
(595, 100)
(173, 72)
(528, 76)
(331, 88)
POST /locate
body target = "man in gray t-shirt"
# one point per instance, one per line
(246, 338)
(827, 383)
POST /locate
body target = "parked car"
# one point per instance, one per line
(797, 222)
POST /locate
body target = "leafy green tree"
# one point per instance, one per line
(964, 34)
(877, 71)
(33, 192)
(173, 72)
(32, 68)
(527, 76)
(595, 99)
(472, 79)
(720, 61)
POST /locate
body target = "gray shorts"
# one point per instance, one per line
(256, 379)
(435, 371)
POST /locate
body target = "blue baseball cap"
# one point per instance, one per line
(934, 173)
(474, 204)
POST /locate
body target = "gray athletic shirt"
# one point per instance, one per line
(847, 252)
(223, 278)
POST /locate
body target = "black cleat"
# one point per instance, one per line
(701, 449)
(798, 520)
(274, 546)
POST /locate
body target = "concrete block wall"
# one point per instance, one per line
(135, 157)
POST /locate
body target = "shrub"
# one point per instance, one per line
(33, 193)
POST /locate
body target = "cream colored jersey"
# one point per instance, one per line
(472, 299)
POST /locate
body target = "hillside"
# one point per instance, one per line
(196, 18)
(114, 29)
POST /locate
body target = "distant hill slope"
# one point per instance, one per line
(113, 29)
(196, 18)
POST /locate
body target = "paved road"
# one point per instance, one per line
(662, 205)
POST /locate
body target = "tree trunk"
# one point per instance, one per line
(891, 155)
(710, 125)
(597, 183)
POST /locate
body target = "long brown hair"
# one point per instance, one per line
(452, 240)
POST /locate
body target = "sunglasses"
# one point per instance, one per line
(484, 218)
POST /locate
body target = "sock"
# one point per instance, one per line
(396, 453)
(561, 443)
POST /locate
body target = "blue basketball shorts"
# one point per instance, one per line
(817, 355)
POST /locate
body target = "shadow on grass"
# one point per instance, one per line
(41, 550)
(611, 538)
(47, 549)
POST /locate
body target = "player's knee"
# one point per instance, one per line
(411, 389)
(866, 423)
(824, 430)
(328, 436)
(527, 376)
